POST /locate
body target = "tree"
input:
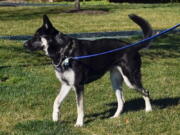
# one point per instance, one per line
(77, 4)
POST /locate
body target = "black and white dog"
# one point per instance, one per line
(123, 65)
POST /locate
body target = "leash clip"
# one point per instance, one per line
(66, 62)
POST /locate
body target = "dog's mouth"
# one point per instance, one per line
(28, 49)
(31, 47)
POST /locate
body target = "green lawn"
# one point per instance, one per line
(28, 85)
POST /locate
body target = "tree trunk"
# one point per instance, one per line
(77, 4)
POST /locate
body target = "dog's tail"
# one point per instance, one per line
(146, 28)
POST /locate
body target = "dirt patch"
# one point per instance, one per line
(88, 11)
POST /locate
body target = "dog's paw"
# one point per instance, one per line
(78, 125)
(79, 121)
(115, 116)
(55, 117)
(148, 109)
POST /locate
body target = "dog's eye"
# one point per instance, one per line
(37, 38)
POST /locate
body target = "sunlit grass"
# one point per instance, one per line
(28, 85)
(115, 18)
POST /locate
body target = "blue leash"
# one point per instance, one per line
(66, 61)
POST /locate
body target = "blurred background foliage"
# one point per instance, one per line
(117, 1)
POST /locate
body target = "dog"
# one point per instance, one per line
(123, 65)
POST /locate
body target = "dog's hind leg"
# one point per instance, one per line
(59, 99)
(116, 80)
(133, 80)
(146, 97)
(80, 105)
(148, 107)
(145, 94)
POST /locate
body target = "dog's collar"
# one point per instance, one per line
(63, 63)
(66, 62)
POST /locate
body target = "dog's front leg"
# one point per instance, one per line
(59, 99)
(80, 106)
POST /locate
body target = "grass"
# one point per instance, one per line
(160, 16)
(28, 85)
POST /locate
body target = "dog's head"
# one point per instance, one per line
(46, 38)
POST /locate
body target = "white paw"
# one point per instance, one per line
(55, 117)
(78, 124)
(148, 109)
(115, 116)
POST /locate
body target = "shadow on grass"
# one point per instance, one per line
(32, 13)
(45, 127)
(29, 13)
(134, 105)
(26, 13)
(90, 11)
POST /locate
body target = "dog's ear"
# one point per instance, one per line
(46, 22)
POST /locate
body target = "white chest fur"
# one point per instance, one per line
(45, 45)
(67, 75)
